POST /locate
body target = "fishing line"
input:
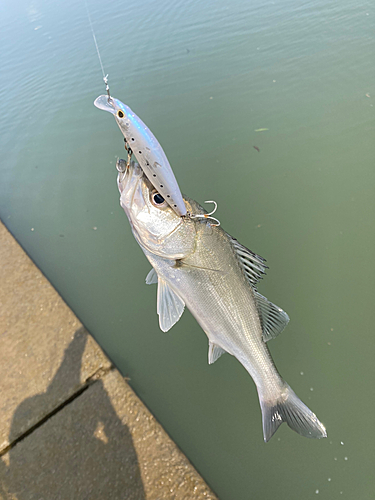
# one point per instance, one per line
(105, 77)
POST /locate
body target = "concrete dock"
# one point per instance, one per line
(71, 427)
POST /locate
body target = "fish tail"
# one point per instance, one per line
(287, 407)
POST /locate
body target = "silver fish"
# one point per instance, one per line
(146, 149)
(198, 264)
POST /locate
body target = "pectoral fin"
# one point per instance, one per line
(152, 277)
(272, 317)
(214, 352)
(169, 306)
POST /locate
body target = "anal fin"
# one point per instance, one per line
(152, 277)
(214, 352)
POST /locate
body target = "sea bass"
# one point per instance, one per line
(197, 264)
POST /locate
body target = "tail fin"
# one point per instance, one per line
(290, 409)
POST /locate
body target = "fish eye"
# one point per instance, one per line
(120, 113)
(157, 199)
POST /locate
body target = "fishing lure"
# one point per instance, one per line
(140, 141)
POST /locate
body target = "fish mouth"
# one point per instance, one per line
(127, 174)
(128, 181)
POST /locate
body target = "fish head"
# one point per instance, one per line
(155, 225)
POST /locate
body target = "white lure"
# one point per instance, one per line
(147, 150)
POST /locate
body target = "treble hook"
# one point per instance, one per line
(121, 169)
(208, 216)
(120, 166)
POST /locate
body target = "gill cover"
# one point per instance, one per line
(156, 227)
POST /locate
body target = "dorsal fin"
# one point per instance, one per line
(252, 264)
(272, 317)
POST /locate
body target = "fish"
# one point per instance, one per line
(261, 130)
(147, 150)
(256, 147)
(197, 264)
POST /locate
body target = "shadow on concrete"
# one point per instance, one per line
(83, 451)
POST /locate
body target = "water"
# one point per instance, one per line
(204, 76)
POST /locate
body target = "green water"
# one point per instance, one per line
(204, 76)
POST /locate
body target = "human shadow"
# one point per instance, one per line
(82, 451)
